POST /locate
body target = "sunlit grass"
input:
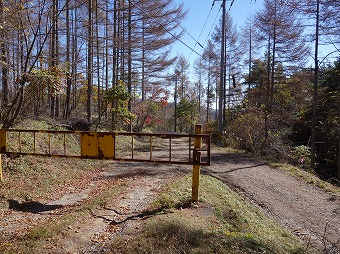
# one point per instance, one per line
(232, 226)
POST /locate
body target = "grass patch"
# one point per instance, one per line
(232, 226)
(307, 177)
(36, 238)
(39, 176)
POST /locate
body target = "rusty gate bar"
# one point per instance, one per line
(22, 148)
(170, 149)
(150, 148)
(132, 147)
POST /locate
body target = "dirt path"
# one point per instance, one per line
(307, 211)
(121, 217)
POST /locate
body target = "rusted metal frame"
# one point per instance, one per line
(208, 150)
(64, 143)
(168, 136)
(34, 140)
(161, 135)
(49, 143)
(170, 149)
(132, 146)
(114, 159)
(19, 135)
(189, 148)
(150, 148)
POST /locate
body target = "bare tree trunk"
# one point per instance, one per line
(54, 55)
(130, 61)
(74, 60)
(143, 60)
(57, 102)
(98, 65)
(4, 62)
(208, 89)
(106, 54)
(339, 150)
(115, 60)
(89, 62)
(68, 76)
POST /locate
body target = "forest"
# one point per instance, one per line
(107, 64)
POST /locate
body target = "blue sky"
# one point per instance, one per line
(198, 14)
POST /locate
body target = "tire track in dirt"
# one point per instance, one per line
(122, 216)
(302, 208)
(142, 183)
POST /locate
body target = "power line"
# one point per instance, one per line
(192, 37)
(213, 25)
(231, 5)
(205, 23)
(175, 37)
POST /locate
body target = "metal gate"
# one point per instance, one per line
(122, 146)
(174, 148)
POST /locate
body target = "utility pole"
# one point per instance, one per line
(175, 99)
(220, 119)
(315, 87)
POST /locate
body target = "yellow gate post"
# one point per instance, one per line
(197, 159)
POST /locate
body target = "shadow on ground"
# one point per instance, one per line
(233, 162)
(31, 206)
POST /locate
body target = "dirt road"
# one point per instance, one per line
(307, 211)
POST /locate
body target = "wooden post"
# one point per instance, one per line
(197, 159)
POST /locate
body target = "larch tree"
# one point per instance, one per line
(279, 28)
(89, 71)
(33, 25)
(210, 61)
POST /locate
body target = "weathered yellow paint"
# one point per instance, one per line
(98, 145)
(3, 141)
(106, 145)
(1, 179)
(196, 168)
(89, 144)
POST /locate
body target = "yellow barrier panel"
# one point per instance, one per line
(3, 141)
(97, 145)
(89, 144)
(106, 147)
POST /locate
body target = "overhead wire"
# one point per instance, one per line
(231, 5)
(167, 30)
(212, 26)
(205, 23)
(197, 42)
